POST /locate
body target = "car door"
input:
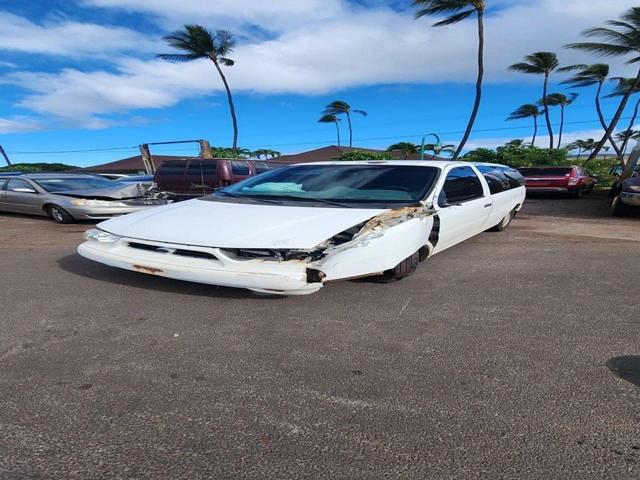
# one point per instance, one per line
(170, 177)
(21, 197)
(201, 177)
(463, 204)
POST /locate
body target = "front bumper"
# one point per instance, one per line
(279, 277)
(630, 198)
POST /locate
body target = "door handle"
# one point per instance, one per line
(487, 205)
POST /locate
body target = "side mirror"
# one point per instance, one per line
(23, 190)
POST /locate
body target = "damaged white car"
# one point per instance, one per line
(290, 230)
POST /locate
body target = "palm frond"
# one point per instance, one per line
(226, 62)
(525, 68)
(361, 112)
(458, 17)
(525, 111)
(607, 49)
(328, 118)
(178, 57)
(571, 68)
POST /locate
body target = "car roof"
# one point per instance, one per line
(417, 163)
(42, 176)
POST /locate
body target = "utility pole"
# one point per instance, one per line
(205, 149)
(147, 159)
(4, 154)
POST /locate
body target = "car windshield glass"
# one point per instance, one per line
(64, 184)
(545, 172)
(338, 185)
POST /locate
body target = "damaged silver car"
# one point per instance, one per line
(69, 197)
(291, 230)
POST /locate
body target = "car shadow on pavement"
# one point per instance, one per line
(80, 266)
(626, 367)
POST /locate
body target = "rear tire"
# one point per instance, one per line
(577, 193)
(504, 223)
(59, 214)
(405, 268)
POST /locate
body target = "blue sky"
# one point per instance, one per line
(82, 75)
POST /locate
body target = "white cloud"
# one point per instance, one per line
(67, 38)
(315, 46)
(19, 124)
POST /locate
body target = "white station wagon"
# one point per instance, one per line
(290, 230)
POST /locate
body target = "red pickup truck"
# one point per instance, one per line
(572, 180)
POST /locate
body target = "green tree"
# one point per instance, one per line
(439, 148)
(625, 136)
(331, 118)
(623, 41)
(587, 75)
(354, 155)
(540, 63)
(626, 85)
(455, 11)
(563, 101)
(407, 148)
(528, 110)
(226, 152)
(339, 107)
(267, 153)
(198, 42)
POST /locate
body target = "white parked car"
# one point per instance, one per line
(290, 230)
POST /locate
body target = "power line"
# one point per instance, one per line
(391, 137)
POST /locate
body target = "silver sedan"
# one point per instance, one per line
(70, 197)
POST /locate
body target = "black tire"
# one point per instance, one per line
(405, 268)
(504, 223)
(577, 193)
(59, 214)
(618, 207)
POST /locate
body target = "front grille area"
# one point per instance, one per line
(182, 252)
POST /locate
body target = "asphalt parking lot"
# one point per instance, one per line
(490, 362)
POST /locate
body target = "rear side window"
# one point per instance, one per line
(18, 183)
(461, 185)
(514, 177)
(172, 168)
(239, 167)
(261, 167)
(202, 168)
(546, 172)
(496, 179)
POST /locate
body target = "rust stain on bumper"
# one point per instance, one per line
(151, 270)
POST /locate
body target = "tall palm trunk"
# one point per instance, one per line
(628, 137)
(232, 108)
(615, 120)
(476, 104)
(602, 122)
(338, 131)
(535, 130)
(350, 130)
(561, 126)
(546, 109)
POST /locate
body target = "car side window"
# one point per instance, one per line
(461, 185)
(240, 167)
(202, 168)
(514, 177)
(18, 183)
(497, 180)
(172, 168)
(2, 182)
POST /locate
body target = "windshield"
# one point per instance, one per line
(337, 185)
(64, 184)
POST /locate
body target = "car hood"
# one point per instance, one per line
(118, 192)
(238, 225)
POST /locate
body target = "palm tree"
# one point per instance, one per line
(559, 100)
(198, 42)
(528, 110)
(624, 41)
(266, 152)
(540, 63)
(407, 148)
(587, 75)
(439, 148)
(338, 107)
(588, 145)
(331, 118)
(626, 85)
(458, 10)
(625, 136)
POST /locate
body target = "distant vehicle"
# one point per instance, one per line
(572, 180)
(626, 197)
(196, 177)
(70, 197)
(290, 230)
